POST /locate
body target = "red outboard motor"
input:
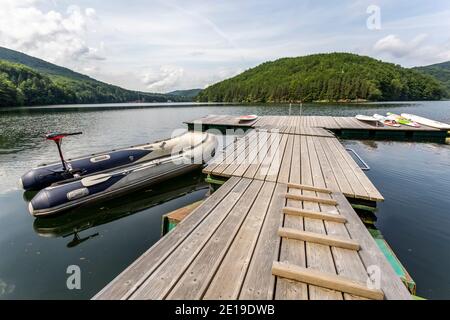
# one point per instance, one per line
(57, 137)
(44, 176)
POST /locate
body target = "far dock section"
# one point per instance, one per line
(345, 127)
(258, 239)
(219, 122)
(271, 156)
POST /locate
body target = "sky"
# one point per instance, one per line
(160, 46)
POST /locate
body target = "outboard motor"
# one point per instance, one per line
(42, 177)
(46, 175)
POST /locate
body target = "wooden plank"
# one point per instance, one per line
(318, 256)
(325, 280)
(133, 276)
(274, 141)
(259, 283)
(233, 153)
(314, 214)
(371, 255)
(292, 251)
(332, 123)
(342, 181)
(248, 154)
(357, 187)
(262, 142)
(310, 199)
(309, 188)
(228, 153)
(196, 278)
(285, 168)
(168, 272)
(239, 254)
(318, 238)
(328, 178)
(371, 190)
(346, 262)
(270, 167)
(241, 156)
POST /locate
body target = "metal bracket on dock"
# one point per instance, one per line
(365, 165)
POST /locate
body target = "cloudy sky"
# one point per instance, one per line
(160, 46)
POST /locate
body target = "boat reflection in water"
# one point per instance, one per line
(74, 221)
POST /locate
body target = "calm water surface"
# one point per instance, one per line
(104, 239)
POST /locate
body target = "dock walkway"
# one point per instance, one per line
(284, 158)
(280, 227)
(343, 126)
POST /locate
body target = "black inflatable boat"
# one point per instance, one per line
(167, 159)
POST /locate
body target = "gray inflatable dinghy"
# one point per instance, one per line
(176, 156)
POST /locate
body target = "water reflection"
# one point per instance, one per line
(81, 219)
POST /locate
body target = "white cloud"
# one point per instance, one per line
(393, 45)
(198, 44)
(59, 37)
(163, 79)
(417, 48)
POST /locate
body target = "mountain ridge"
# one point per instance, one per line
(326, 77)
(40, 64)
(27, 80)
(440, 71)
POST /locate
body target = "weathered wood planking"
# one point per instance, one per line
(268, 156)
(159, 283)
(132, 277)
(304, 125)
(240, 252)
(346, 261)
(259, 283)
(228, 245)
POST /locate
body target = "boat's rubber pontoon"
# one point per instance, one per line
(45, 175)
(173, 157)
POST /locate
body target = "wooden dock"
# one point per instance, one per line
(280, 227)
(284, 158)
(249, 241)
(348, 127)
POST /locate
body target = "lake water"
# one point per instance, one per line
(106, 238)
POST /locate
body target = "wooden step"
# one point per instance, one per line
(314, 214)
(325, 280)
(311, 199)
(318, 238)
(309, 188)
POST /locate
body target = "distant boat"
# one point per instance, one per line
(250, 117)
(364, 118)
(402, 120)
(426, 121)
(384, 120)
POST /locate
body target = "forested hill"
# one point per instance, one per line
(325, 77)
(25, 80)
(440, 71)
(190, 93)
(40, 65)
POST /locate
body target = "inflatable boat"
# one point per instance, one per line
(187, 153)
(85, 218)
(45, 175)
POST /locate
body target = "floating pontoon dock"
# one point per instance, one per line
(280, 227)
(346, 127)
